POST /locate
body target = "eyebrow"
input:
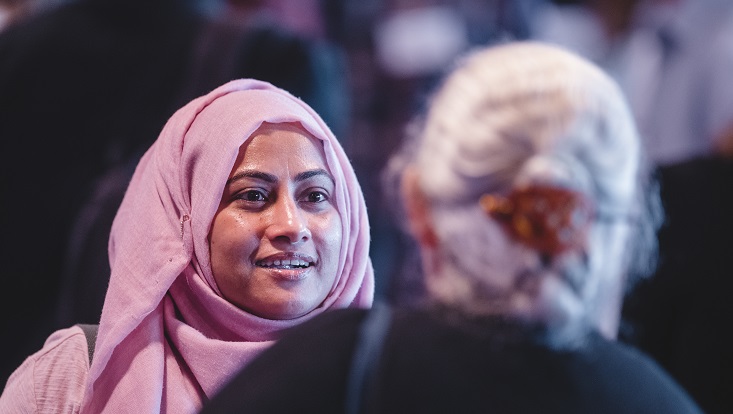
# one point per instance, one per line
(270, 178)
(312, 173)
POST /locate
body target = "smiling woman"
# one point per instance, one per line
(243, 219)
(277, 234)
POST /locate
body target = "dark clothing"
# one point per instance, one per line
(682, 316)
(432, 364)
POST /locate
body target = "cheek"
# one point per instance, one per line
(219, 251)
(330, 234)
(230, 241)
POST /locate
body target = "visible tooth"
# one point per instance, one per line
(289, 263)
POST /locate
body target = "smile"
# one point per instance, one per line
(284, 264)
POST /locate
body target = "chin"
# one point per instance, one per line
(289, 310)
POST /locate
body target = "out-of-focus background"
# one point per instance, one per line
(86, 85)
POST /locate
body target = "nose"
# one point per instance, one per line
(288, 222)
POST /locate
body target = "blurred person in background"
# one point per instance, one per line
(672, 58)
(681, 316)
(14, 11)
(528, 193)
(405, 47)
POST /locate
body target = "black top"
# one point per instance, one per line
(431, 364)
(681, 316)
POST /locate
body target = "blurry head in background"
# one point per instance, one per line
(528, 194)
(14, 11)
(9, 10)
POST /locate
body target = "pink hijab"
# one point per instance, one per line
(168, 340)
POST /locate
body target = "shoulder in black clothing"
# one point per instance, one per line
(429, 366)
(303, 372)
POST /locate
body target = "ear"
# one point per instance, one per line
(417, 209)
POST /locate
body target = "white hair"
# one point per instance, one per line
(529, 113)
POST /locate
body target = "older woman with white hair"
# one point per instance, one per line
(526, 190)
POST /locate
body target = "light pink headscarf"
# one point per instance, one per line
(168, 340)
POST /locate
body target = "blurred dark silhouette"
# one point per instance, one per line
(83, 87)
(682, 315)
(14, 11)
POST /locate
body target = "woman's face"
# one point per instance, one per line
(276, 236)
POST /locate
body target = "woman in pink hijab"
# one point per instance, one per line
(243, 219)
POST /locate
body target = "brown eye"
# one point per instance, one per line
(316, 197)
(252, 196)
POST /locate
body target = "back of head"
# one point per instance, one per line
(531, 124)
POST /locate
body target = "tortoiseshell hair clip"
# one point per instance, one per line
(552, 220)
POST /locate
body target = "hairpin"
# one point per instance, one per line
(550, 219)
